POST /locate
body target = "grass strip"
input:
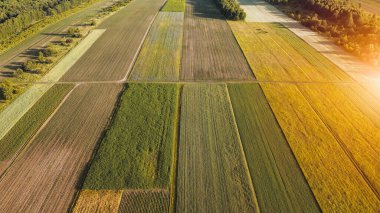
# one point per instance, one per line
(32, 120)
(136, 152)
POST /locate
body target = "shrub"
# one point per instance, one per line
(8, 90)
(74, 32)
(41, 57)
(231, 9)
(50, 50)
(92, 23)
(30, 66)
(18, 73)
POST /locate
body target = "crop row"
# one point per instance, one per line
(32, 120)
(255, 159)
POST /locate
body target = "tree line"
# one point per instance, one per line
(18, 15)
(353, 28)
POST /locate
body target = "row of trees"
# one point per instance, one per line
(18, 15)
(353, 28)
(231, 9)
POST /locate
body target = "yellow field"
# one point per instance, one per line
(335, 181)
(101, 201)
(276, 54)
(358, 135)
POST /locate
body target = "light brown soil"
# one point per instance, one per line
(210, 50)
(45, 177)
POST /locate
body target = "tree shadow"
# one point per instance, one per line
(13, 66)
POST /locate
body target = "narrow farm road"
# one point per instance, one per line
(368, 76)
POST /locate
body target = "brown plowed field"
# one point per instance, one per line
(45, 176)
(109, 59)
(210, 50)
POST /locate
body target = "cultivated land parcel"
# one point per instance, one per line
(174, 109)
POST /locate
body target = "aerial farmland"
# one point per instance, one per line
(154, 106)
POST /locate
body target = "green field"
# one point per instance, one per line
(142, 201)
(212, 172)
(32, 120)
(276, 54)
(136, 152)
(174, 6)
(160, 56)
(278, 180)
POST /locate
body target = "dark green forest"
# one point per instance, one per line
(18, 15)
(347, 23)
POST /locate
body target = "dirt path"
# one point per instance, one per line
(366, 75)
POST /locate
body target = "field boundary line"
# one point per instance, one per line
(342, 145)
(132, 64)
(173, 183)
(246, 168)
(32, 138)
(197, 82)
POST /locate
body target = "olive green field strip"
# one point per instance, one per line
(210, 51)
(358, 134)
(276, 54)
(142, 201)
(174, 6)
(160, 56)
(112, 56)
(31, 121)
(90, 201)
(335, 181)
(12, 113)
(48, 32)
(136, 152)
(56, 157)
(277, 178)
(212, 173)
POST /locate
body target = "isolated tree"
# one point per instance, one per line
(41, 57)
